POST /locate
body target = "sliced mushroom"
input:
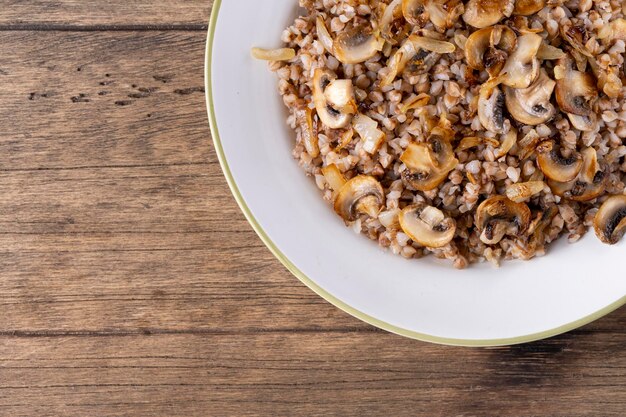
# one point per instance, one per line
(528, 7)
(427, 225)
(537, 228)
(491, 105)
(488, 48)
(428, 164)
(589, 184)
(584, 123)
(554, 165)
(577, 37)
(333, 99)
(414, 12)
(362, 194)
(522, 67)
(610, 220)
(575, 90)
(392, 12)
(498, 216)
(576, 93)
(532, 105)
(444, 13)
(416, 56)
(483, 13)
(508, 140)
(520, 24)
(356, 45)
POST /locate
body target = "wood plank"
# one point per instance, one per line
(351, 374)
(79, 13)
(78, 99)
(122, 249)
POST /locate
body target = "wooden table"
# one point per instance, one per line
(131, 285)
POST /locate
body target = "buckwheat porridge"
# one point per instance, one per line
(476, 130)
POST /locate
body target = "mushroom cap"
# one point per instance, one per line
(554, 165)
(483, 13)
(427, 225)
(522, 67)
(589, 184)
(497, 216)
(610, 220)
(528, 7)
(410, 59)
(584, 123)
(489, 47)
(363, 194)
(491, 110)
(428, 164)
(575, 90)
(414, 12)
(356, 45)
(532, 105)
(325, 86)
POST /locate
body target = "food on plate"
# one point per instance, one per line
(470, 130)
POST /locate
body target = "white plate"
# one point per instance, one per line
(424, 299)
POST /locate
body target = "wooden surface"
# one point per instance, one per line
(131, 285)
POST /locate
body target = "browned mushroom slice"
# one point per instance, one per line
(577, 37)
(554, 165)
(610, 220)
(498, 216)
(532, 105)
(575, 90)
(333, 99)
(522, 67)
(428, 164)
(362, 194)
(483, 13)
(427, 225)
(491, 105)
(356, 45)
(589, 184)
(414, 12)
(488, 48)
(392, 12)
(416, 56)
(528, 7)
(537, 228)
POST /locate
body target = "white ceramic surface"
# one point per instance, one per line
(425, 299)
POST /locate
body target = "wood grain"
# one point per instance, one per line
(104, 14)
(277, 374)
(131, 285)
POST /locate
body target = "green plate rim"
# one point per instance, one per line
(319, 290)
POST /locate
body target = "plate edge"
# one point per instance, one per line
(319, 290)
